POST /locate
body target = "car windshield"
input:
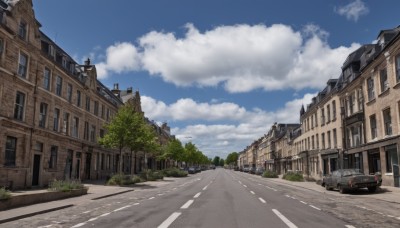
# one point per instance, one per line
(352, 172)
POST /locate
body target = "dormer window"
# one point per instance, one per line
(22, 30)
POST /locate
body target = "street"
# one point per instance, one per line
(222, 198)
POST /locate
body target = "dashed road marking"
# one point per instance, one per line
(245, 186)
(79, 225)
(314, 207)
(303, 202)
(197, 195)
(152, 198)
(187, 204)
(121, 208)
(284, 219)
(350, 226)
(205, 187)
(252, 192)
(169, 220)
(262, 200)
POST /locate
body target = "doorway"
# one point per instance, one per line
(36, 170)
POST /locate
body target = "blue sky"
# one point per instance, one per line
(219, 72)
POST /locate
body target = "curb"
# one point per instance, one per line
(34, 213)
(113, 194)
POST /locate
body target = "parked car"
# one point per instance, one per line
(252, 170)
(246, 169)
(260, 171)
(192, 170)
(350, 179)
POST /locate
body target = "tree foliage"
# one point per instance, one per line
(232, 158)
(216, 160)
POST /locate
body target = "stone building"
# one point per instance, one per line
(52, 109)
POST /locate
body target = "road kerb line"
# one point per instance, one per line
(169, 220)
(197, 195)
(262, 200)
(187, 204)
(284, 219)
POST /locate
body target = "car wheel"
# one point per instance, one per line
(341, 189)
(327, 187)
(372, 189)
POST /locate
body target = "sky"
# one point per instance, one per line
(219, 72)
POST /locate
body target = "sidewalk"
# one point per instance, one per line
(384, 193)
(96, 191)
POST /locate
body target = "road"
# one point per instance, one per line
(218, 198)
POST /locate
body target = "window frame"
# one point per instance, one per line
(19, 109)
(23, 65)
(10, 154)
(43, 115)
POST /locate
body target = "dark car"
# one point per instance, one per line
(260, 171)
(192, 170)
(252, 170)
(350, 179)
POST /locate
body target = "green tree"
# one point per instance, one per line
(174, 150)
(221, 162)
(118, 131)
(232, 158)
(216, 160)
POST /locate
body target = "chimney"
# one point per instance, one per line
(129, 90)
(87, 62)
(116, 90)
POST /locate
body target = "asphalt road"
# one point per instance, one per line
(213, 198)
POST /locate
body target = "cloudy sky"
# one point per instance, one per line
(219, 72)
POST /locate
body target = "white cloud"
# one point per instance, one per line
(353, 10)
(241, 58)
(120, 57)
(242, 126)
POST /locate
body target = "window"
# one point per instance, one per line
(108, 114)
(75, 127)
(58, 85)
(46, 78)
(328, 113)
(86, 131)
(96, 108)
(374, 132)
(352, 103)
(391, 157)
(1, 46)
(93, 133)
(360, 100)
(43, 115)
(19, 106)
(87, 103)
(56, 119)
(78, 98)
(102, 111)
(66, 123)
(323, 140)
(322, 116)
(101, 133)
(312, 142)
(23, 65)
(387, 119)
(103, 160)
(333, 110)
(398, 68)
(384, 80)
(328, 137)
(53, 157)
(22, 30)
(316, 119)
(69, 92)
(11, 150)
(334, 138)
(317, 141)
(371, 89)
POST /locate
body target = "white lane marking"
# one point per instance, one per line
(187, 204)
(259, 184)
(160, 194)
(252, 192)
(105, 214)
(245, 186)
(93, 219)
(197, 195)
(350, 226)
(293, 197)
(240, 182)
(284, 219)
(169, 220)
(45, 226)
(122, 208)
(314, 207)
(136, 203)
(205, 187)
(287, 196)
(332, 199)
(303, 202)
(390, 216)
(262, 200)
(152, 198)
(85, 212)
(198, 179)
(398, 218)
(79, 225)
(174, 188)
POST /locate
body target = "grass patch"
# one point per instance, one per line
(291, 176)
(65, 185)
(4, 194)
(270, 174)
(121, 179)
(174, 172)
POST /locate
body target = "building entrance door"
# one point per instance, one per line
(374, 161)
(36, 170)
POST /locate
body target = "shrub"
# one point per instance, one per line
(121, 179)
(174, 172)
(292, 176)
(4, 194)
(65, 185)
(150, 175)
(270, 174)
